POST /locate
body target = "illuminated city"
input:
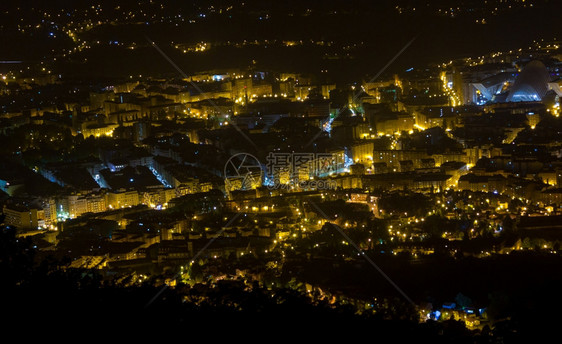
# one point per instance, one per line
(392, 164)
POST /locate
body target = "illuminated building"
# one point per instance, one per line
(179, 177)
(121, 198)
(531, 84)
(362, 153)
(376, 89)
(174, 250)
(392, 158)
(487, 89)
(394, 122)
(79, 204)
(477, 183)
(446, 117)
(124, 117)
(98, 130)
(50, 210)
(551, 196)
(432, 180)
(241, 89)
(24, 217)
(158, 198)
(122, 105)
(347, 182)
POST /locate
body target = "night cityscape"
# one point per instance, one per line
(293, 166)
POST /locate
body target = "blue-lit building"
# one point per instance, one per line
(532, 84)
